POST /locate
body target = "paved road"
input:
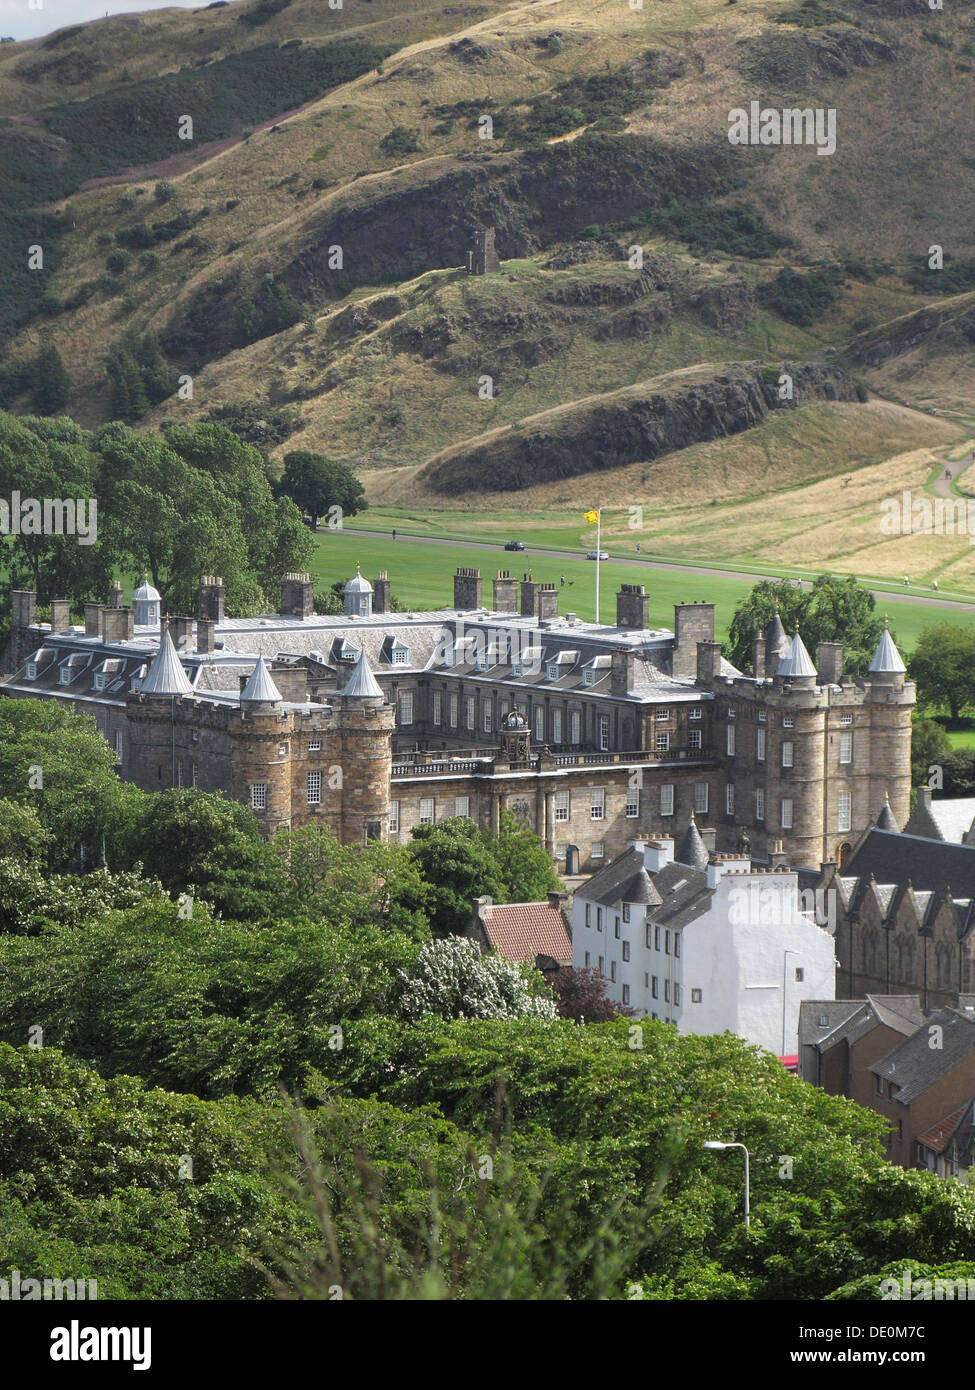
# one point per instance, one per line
(880, 594)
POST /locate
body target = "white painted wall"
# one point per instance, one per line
(742, 954)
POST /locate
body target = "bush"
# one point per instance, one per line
(164, 191)
(862, 390)
(802, 299)
(118, 261)
(739, 230)
(400, 140)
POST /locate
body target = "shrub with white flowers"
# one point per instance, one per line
(451, 979)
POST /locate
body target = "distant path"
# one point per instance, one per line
(964, 605)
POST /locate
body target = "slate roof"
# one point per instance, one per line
(929, 864)
(522, 931)
(914, 1066)
(362, 682)
(886, 659)
(796, 662)
(885, 821)
(692, 851)
(949, 819)
(848, 1020)
(260, 688)
(166, 675)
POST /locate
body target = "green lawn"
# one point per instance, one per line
(422, 577)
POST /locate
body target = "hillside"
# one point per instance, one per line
(304, 248)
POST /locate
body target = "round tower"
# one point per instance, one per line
(364, 726)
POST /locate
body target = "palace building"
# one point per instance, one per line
(372, 721)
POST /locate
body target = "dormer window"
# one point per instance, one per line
(553, 670)
(99, 681)
(31, 670)
(516, 668)
(401, 656)
(588, 676)
(64, 675)
(135, 685)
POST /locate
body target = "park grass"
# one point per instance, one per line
(421, 576)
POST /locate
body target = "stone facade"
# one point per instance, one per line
(593, 735)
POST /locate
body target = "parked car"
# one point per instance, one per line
(514, 545)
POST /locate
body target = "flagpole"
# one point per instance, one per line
(599, 518)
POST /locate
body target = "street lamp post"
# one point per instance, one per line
(785, 992)
(716, 1146)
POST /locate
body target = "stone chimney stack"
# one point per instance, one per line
(758, 655)
(93, 619)
(505, 593)
(382, 593)
(529, 596)
(210, 598)
(693, 623)
(708, 661)
(205, 634)
(632, 607)
(297, 596)
(621, 672)
(181, 631)
(117, 624)
(468, 588)
(60, 615)
(829, 663)
(115, 598)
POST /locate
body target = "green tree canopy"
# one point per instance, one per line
(835, 609)
(316, 484)
(943, 665)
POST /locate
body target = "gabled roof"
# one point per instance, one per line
(848, 1020)
(937, 1136)
(166, 675)
(260, 688)
(929, 864)
(914, 1065)
(886, 659)
(947, 819)
(362, 682)
(522, 931)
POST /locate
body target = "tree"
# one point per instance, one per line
(580, 994)
(451, 979)
(943, 665)
(457, 863)
(164, 191)
(929, 748)
(129, 401)
(52, 385)
(524, 864)
(316, 484)
(834, 610)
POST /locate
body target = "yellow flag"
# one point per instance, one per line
(592, 517)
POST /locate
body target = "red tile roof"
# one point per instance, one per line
(522, 931)
(938, 1135)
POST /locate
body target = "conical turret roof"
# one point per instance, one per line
(166, 674)
(693, 851)
(260, 688)
(776, 642)
(796, 661)
(885, 821)
(643, 891)
(886, 659)
(362, 682)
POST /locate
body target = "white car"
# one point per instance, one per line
(598, 555)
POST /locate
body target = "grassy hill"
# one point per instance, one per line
(305, 247)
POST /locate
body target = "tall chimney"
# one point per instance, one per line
(829, 663)
(468, 588)
(381, 593)
(210, 598)
(505, 593)
(297, 596)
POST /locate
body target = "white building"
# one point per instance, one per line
(709, 945)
